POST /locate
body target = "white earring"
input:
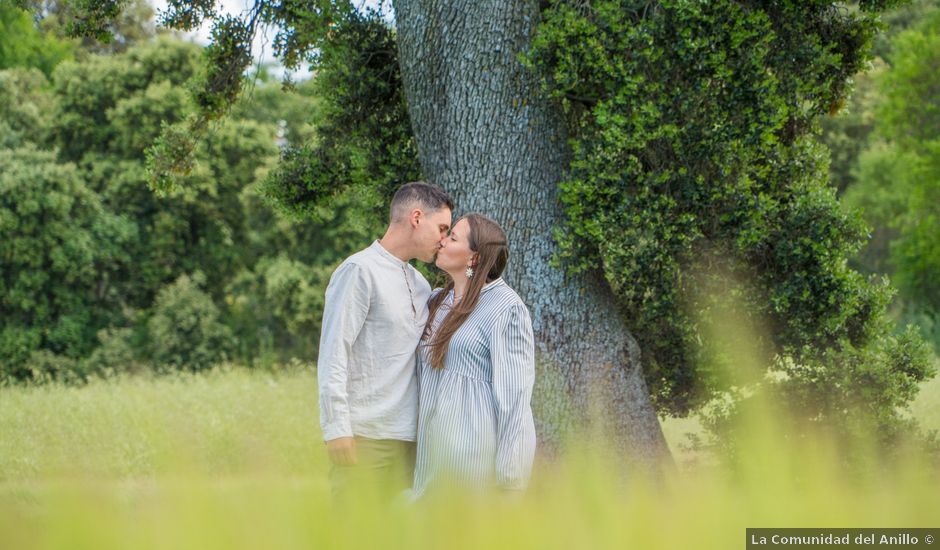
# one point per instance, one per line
(469, 272)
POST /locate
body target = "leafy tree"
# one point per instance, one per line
(898, 173)
(130, 23)
(97, 115)
(910, 120)
(364, 145)
(847, 132)
(117, 351)
(700, 165)
(215, 223)
(23, 45)
(109, 109)
(106, 104)
(903, 17)
(278, 292)
(264, 101)
(25, 108)
(60, 251)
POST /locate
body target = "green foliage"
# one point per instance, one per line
(304, 28)
(842, 384)
(185, 331)
(274, 303)
(845, 396)
(296, 293)
(911, 120)
(23, 45)
(100, 115)
(123, 28)
(291, 108)
(60, 250)
(278, 291)
(847, 134)
(117, 353)
(99, 100)
(228, 56)
(187, 15)
(902, 17)
(44, 366)
(897, 174)
(694, 162)
(25, 109)
(881, 192)
(199, 227)
(94, 19)
(364, 144)
(908, 118)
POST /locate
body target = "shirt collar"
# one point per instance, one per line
(491, 284)
(380, 250)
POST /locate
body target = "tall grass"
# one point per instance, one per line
(233, 459)
(220, 423)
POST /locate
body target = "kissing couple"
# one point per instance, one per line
(422, 389)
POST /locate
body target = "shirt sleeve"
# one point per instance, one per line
(347, 304)
(512, 350)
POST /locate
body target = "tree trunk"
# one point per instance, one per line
(487, 135)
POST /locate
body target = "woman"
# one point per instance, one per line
(476, 368)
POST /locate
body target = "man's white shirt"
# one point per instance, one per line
(376, 309)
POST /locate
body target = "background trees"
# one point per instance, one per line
(60, 246)
(99, 273)
(32, 47)
(889, 170)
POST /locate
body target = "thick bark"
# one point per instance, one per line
(487, 135)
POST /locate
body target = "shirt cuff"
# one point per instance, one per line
(336, 431)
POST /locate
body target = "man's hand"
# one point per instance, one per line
(342, 451)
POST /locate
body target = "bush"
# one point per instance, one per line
(116, 353)
(45, 366)
(276, 309)
(184, 331)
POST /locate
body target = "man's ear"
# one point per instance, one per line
(415, 217)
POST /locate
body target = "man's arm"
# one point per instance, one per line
(347, 305)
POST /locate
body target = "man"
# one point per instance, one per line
(376, 309)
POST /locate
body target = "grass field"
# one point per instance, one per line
(233, 459)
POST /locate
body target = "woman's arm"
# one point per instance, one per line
(512, 351)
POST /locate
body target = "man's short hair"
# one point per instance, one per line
(418, 194)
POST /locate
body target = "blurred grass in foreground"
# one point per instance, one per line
(233, 459)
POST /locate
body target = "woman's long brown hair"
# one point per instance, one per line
(488, 240)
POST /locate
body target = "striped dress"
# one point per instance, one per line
(475, 425)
